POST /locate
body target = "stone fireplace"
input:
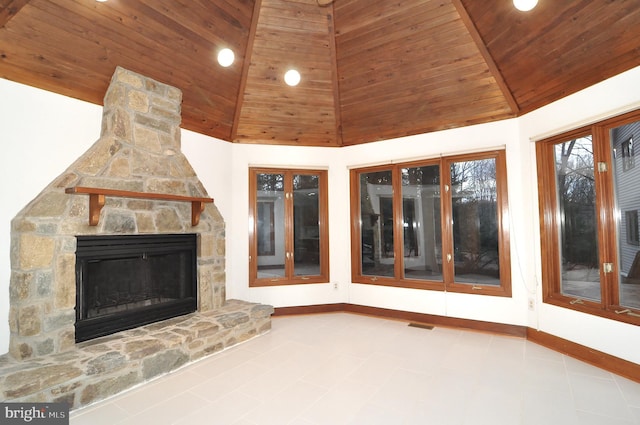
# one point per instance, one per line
(145, 186)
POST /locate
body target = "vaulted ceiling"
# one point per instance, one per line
(371, 69)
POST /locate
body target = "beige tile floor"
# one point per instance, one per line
(342, 368)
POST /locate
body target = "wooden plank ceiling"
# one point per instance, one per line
(370, 70)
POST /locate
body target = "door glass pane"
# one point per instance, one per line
(376, 218)
(270, 225)
(627, 182)
(306, 224)
(475, 222)
(576, 191)
(421, 223)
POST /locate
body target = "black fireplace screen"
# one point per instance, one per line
(132, 280)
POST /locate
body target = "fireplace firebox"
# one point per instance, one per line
(125, 281)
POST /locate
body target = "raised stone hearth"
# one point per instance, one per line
(106, 366)
(138, 151)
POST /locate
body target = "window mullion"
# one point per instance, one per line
(448, 262)
(288, 224)
(605, 204)
(503, 222)
(398, 223)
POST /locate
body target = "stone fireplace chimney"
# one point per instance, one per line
(138, 151)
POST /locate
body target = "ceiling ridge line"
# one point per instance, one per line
(484, 52)
(334, 75)
(245, 70)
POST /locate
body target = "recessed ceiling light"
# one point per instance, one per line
(525, 5)
(101, 1)
(226, 57)
(292, 77)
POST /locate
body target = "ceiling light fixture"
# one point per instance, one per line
(525, 5)
(292, 77)
(226, 57)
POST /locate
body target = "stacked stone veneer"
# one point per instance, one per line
(139, 151)
(100, 368)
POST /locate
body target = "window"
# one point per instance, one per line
(589, 219)
(288, 233)
(435, 224)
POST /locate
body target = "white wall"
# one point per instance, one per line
(42, 133)
(210, 158)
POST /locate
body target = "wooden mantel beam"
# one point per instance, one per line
(97, 198)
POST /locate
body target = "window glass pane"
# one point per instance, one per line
(421, 223)
(270, 225)
(306, 228)
(475, 222)
(576, 191)
(266, 225)
(376, 217)
(627, 182)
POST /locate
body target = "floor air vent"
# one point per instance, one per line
(420, 325)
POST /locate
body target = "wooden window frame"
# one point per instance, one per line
(549, 216)
(323, 223)
(448, 283)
